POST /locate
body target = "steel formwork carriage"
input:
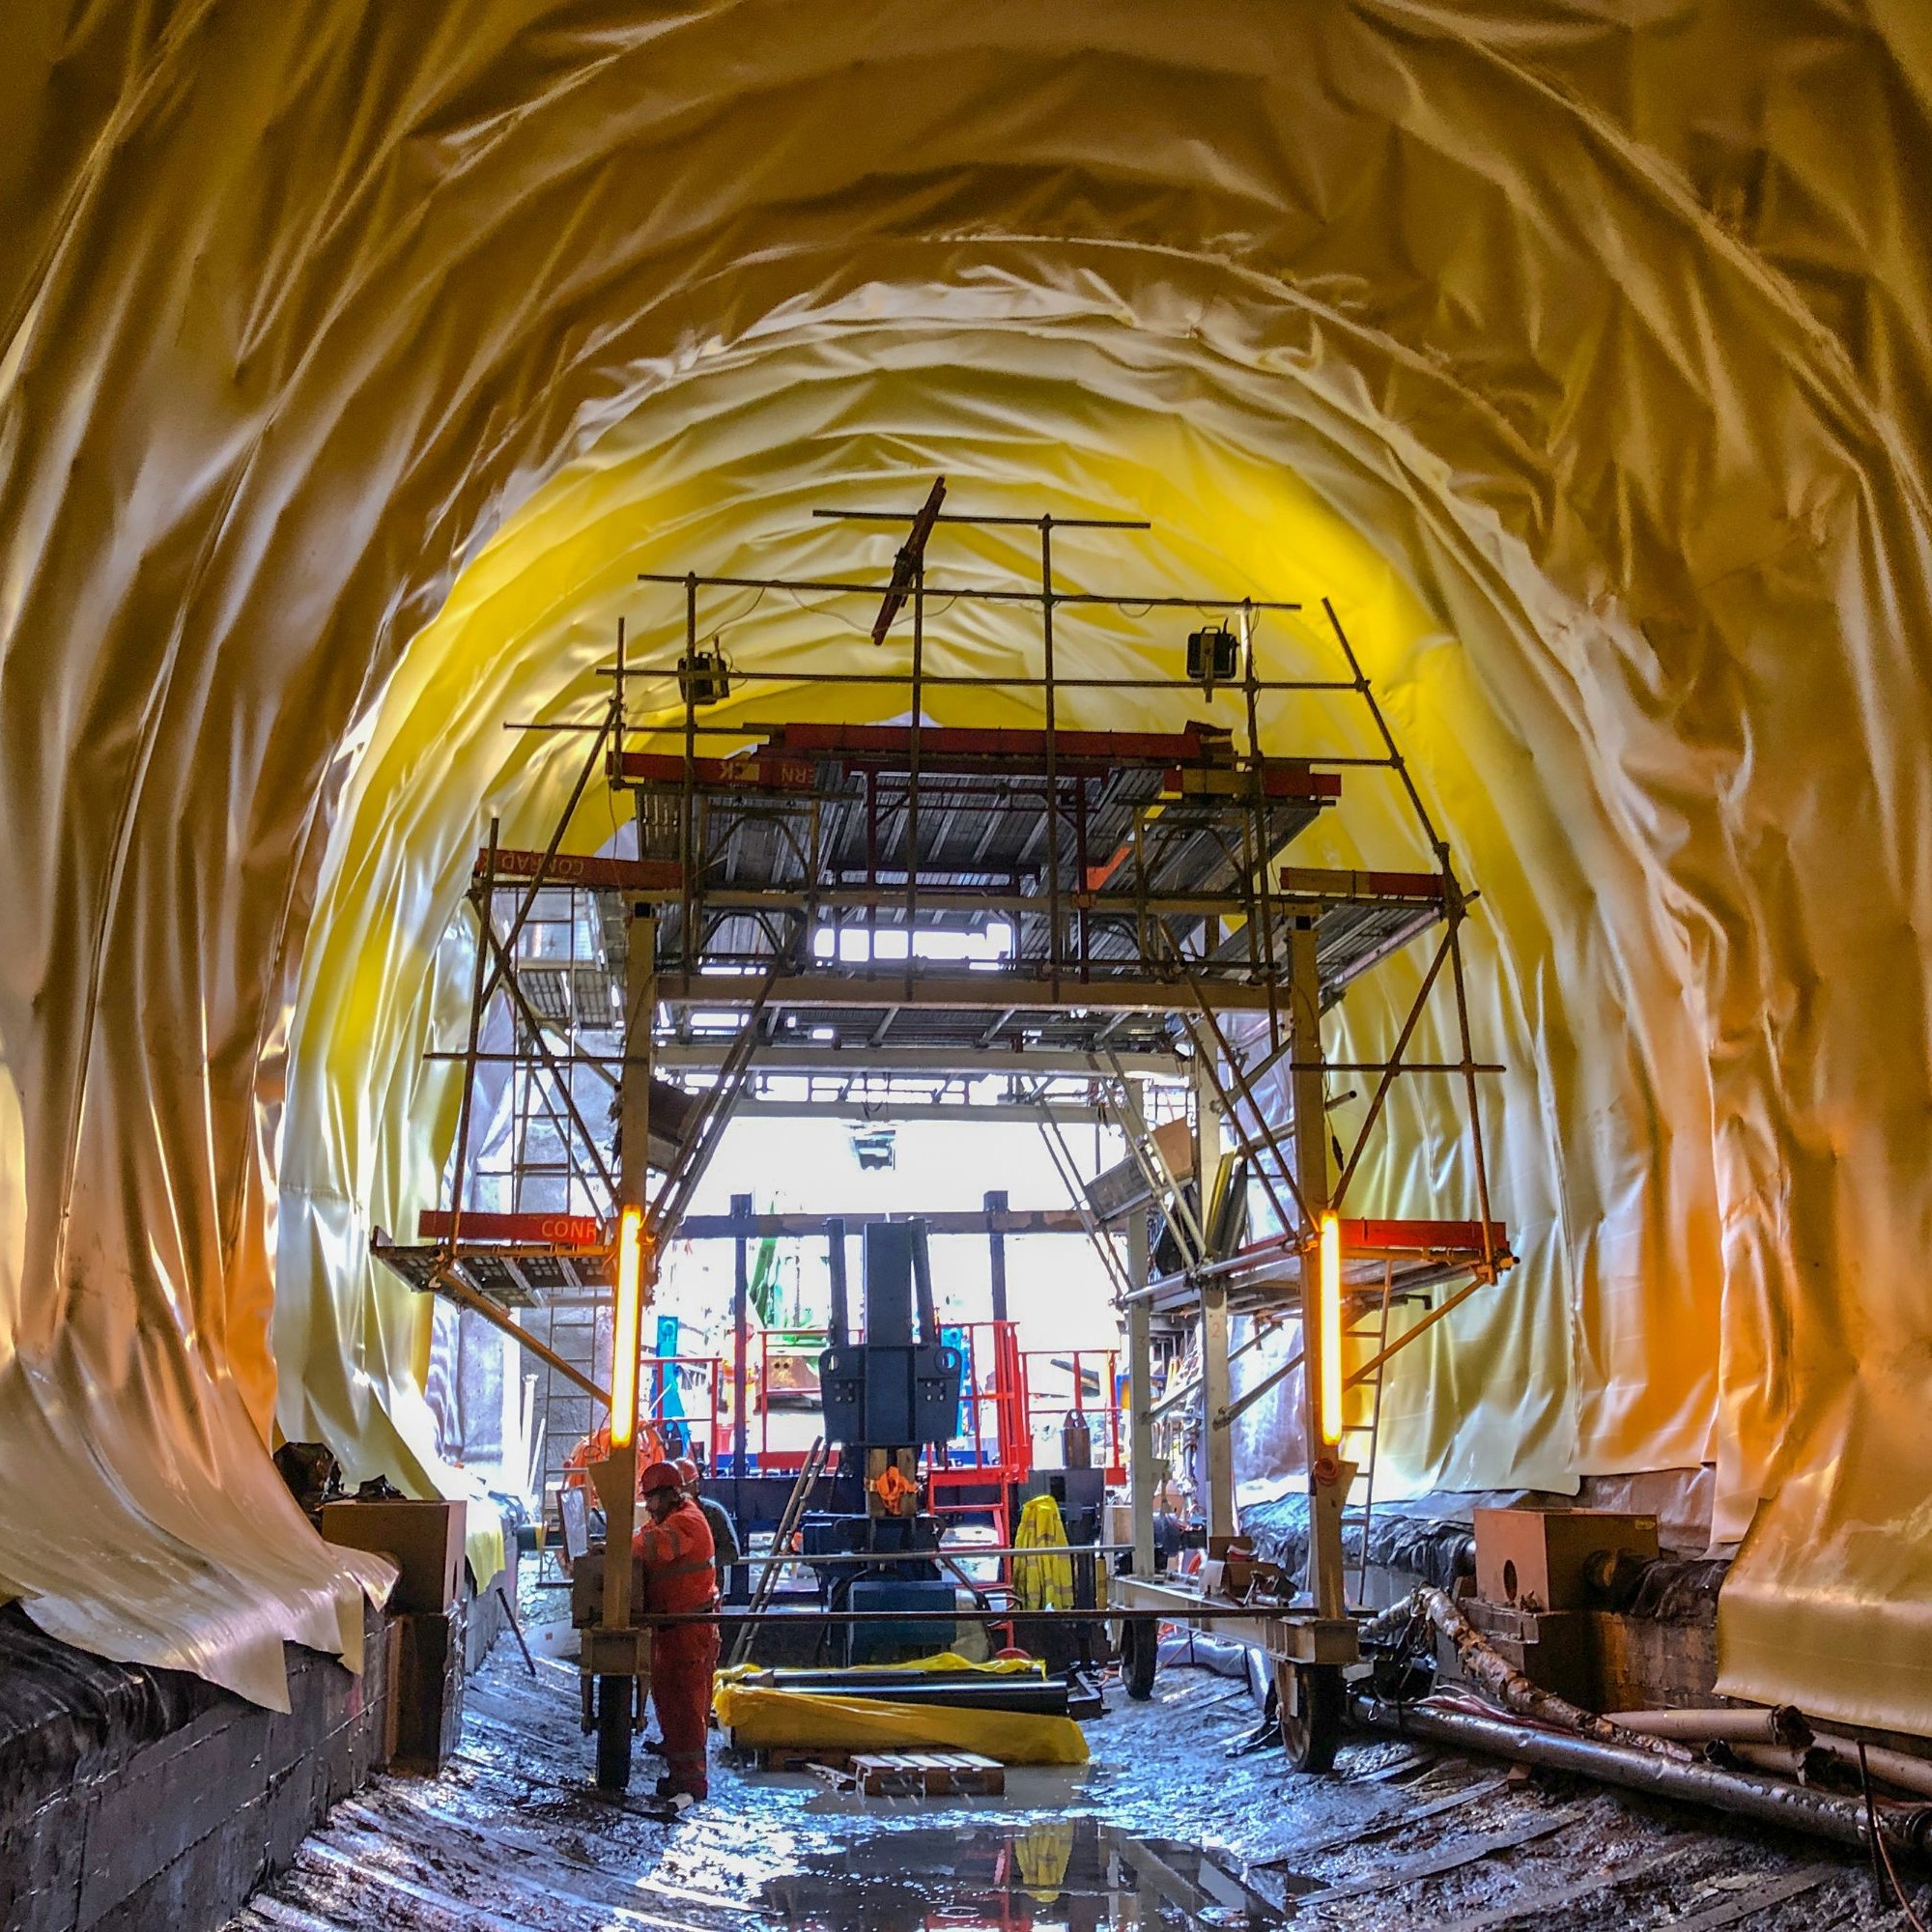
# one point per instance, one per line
(994, 902)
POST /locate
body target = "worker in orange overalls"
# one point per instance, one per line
(679, 1577)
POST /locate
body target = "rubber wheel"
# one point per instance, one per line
(613, 1733)
(1139, 1656)
(1312, 1732)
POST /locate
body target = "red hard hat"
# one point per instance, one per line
(659, 1476)
(687, 1470)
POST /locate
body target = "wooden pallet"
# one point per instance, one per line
(917, 1775)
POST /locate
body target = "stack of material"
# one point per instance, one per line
(1008, 1711)
(918, 1774)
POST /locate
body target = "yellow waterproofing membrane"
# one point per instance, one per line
(355, 359)
(761, 1717)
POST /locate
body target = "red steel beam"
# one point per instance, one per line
(787, 760)
(555, 1231)
(1362, 1237)
(766, 769)
(878, 743)
(1434, 1237)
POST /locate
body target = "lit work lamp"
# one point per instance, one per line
(624, 1330)
(1328, 1325)
(1329, 1477)
(616, 1477)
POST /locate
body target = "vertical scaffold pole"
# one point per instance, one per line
(1328, 1483)
(912, 769)
(619, 1491)
(741, 1343)
(1216, 1386)
(1140, 1394)
(1052, 760)
(995, 1204)
(687, 855)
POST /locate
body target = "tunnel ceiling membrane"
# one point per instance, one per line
(1574, 349)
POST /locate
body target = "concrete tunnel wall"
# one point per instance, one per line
(356, 360)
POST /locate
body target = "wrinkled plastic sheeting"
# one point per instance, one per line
(1579, 359)
(192, 1556)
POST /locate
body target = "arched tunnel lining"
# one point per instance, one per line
(1617, 518)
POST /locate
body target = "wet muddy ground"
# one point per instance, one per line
(1163, 1829)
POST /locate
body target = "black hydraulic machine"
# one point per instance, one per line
(888, 1396)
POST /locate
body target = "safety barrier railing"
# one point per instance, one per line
(1094, 1394)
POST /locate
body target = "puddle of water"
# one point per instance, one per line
(1046, 1875)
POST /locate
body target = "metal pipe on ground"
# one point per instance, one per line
(1793, 1761)
(1102, 1613)
(1906, 1828)
(1032, 1696)
(1891, 1767)
(1833, 1763)
(959, 1552)
(1498, 1678)
(866, 1676)
(1780, 1724)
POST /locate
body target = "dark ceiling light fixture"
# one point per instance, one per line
(1214, 655)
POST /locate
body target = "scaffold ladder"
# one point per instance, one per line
(1365, 1469)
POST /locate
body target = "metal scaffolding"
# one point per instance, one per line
(1027, 922)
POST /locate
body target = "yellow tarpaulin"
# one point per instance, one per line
(761, 1719)
(1575, 350)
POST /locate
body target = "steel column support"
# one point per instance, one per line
(634, 1084)
(1327, 1476)
(1307, 1088)
(835, 1261)
(1140, 1396)
(741, 1342)
(634, 1134)
(1215, 1375)
(996, 1252)
(1216, 1386)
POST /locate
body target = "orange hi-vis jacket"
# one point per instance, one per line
(679, 1562)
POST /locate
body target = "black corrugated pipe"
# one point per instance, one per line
(1032, 1696)
(1906, 1828)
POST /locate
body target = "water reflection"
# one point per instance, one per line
(1057, 1874)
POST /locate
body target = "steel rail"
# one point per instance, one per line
(977, 594)
(961, 517)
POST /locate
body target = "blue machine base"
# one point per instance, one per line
(890, 1643)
